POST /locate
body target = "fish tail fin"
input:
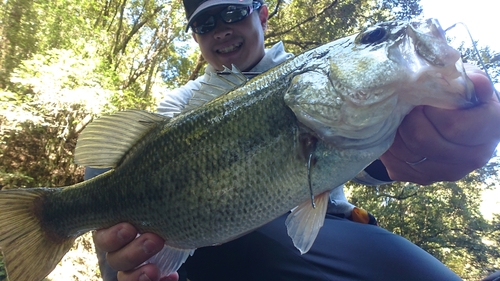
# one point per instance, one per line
(29, 252)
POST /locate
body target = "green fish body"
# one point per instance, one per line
(233, 162)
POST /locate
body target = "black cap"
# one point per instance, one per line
(194, 7)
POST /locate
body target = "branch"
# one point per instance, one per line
(333, 4)
(398, 197)
(158, 43)
(123, 44)
(199, 64)
(276, 8)
(120, 26)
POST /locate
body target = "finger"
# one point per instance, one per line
(115, 237)
(145, 273)
(148, 272)
(136, 252)
(471, 68)
(398, 170)
(401, 152)
(482, 85)
(425, 173)
(398, 158)
(473, 126)
(417, 138)
(171, 277)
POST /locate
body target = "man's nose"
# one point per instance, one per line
(222, 30)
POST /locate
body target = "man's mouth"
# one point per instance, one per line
(230, 48)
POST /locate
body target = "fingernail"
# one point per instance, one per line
(124, 234)
(149, 247)
(144, 277)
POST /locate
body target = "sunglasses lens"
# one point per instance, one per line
(206, 23)
(203, 24)
(233, 14)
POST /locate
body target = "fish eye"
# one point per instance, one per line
(373, 36)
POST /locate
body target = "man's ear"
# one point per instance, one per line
(194, 37)
(263, 16)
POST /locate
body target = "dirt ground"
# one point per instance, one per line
(79, 264)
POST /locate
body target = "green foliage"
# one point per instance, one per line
(403, 9)
(482, 56)
(491, 60)
(68, 62)
(62, 63)
(493, 240)
(36, 26)
(442, 218)
(304, 24)
(134, 40)
(55, 95)
(36, 150)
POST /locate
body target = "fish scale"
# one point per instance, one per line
(238, 157)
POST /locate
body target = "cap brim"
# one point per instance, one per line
(212, 3)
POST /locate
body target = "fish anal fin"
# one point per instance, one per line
(170, 259)
(305, 221)
(104, 142)
(23, 242)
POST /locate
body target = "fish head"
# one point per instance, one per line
(357, 89)
(436, 71)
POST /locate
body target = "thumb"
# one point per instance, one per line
(172, 277)
(482, 86)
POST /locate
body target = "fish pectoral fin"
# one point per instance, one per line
(170, 259)
(304, 222)
(105, 141)
(24, 242)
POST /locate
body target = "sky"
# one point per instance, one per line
(481, 18)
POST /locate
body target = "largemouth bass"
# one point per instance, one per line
(283, 139)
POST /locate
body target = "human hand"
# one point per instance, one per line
(454, 142)
(125, 252)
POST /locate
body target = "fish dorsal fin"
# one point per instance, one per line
(170, 259)
(105, 141)
(216, 85)
(304, 222)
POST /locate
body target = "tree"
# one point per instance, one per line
(117, 54)
(304, 24)
(442, 218)
(17, 40)
(136, 40)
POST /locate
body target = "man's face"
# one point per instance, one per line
(240, 43)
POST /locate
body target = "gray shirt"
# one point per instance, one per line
(175, 100)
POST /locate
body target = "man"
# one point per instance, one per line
(431, 145)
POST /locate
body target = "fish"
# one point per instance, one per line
(241, 154)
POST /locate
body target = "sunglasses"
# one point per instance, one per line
(205, 23)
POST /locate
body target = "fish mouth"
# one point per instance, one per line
(429, 38)
(437, 60)
(431, 27)
(230, 48)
